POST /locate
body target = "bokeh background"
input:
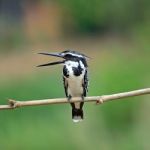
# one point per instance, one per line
(115, 34)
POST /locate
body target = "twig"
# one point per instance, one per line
(98, 99)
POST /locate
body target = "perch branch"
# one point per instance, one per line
(98, 99)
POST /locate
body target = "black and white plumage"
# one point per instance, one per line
(74, 77)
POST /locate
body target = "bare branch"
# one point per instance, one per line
(98, 99)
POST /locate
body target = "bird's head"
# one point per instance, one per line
(66, 55)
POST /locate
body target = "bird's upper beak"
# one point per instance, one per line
(52, 63)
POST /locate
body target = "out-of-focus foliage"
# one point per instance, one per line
(102, 16)
(21, 22)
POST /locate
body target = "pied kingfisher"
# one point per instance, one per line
(74, 78)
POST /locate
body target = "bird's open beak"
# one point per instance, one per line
(52, 63)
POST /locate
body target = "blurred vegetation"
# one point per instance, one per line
(99, 16)
(116, 36)
(81, 18)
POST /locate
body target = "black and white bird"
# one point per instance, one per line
(75, 79)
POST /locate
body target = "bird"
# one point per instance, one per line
(75, 78)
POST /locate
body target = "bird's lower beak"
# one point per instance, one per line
(52, 63)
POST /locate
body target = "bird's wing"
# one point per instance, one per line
(65, 86)
(85, 83)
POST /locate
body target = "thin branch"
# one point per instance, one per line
(98, 99)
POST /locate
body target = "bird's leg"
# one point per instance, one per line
(81, 104)
(72, 104)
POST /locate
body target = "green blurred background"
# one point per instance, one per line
(115, 34)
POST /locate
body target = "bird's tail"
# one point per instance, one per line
(77, 115)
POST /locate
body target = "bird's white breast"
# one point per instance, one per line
(75, 88)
